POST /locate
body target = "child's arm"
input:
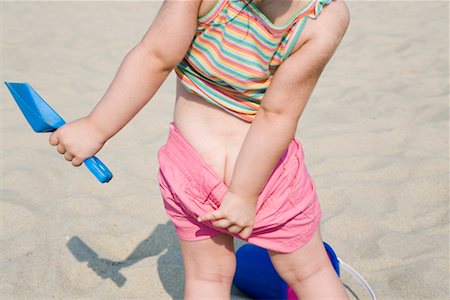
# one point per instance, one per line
(138, 78)
(275, 123)
(147, 65)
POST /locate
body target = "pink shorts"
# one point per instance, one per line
(287, 212)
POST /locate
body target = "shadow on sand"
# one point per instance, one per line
(162, 242)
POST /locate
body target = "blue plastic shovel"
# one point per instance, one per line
(43, 118)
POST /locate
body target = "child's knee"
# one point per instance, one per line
(220, 271)
(296, 266)
(211, 260)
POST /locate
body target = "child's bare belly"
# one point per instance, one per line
(215, 134)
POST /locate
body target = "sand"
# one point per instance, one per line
(375, 135)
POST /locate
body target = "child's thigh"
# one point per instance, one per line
(209, 259)
(304, 261)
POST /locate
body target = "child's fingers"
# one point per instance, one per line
(217, 214)
(61, 149)
(68, 156)
(235, 229)
(222, 223)
(76, 161)
(245, 233)
(53, 139)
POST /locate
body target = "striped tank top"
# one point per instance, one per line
(235, 53)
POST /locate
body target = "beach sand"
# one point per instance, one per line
(375, 135)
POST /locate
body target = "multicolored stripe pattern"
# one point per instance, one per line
(235, 53)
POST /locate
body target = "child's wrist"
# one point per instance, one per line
(244, 194)
(103, 135)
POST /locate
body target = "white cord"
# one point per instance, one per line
(358, 277)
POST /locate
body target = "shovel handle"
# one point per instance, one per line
(98, 168)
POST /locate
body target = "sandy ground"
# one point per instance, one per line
(375, 134)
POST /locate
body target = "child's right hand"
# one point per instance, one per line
(236, 213)
(77, 140)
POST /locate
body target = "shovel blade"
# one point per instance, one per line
(38, 113)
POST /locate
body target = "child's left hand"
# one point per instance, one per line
(235, 213)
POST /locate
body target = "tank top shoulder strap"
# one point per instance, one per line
(293, 36)
(211, 14)
(319, 5)
(312, 11)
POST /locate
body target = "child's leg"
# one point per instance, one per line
(209, 266)
(308, 271)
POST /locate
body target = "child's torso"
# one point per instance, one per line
(215, 134)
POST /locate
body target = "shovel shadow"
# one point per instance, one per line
(162, 241)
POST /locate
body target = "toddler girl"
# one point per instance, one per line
(231, 166)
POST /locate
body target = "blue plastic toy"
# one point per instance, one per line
(43, 118)
(256, 276)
